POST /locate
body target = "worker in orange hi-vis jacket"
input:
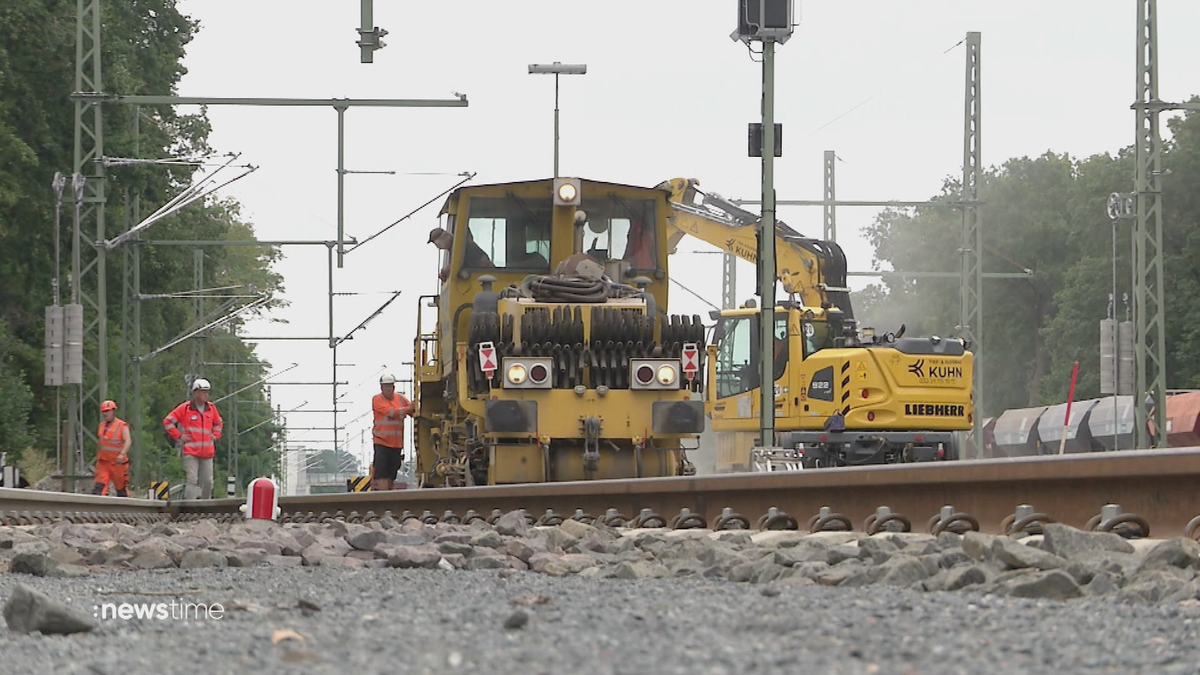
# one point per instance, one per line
(197, 424)
(389, 408)
(112, 453)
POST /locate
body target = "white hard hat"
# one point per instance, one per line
(387, 379)
(201, 384)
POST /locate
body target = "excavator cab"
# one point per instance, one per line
(738, 351)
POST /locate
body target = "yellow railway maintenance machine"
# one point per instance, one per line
(551, 358)
(839, 400)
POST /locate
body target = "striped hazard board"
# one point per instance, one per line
(358, 484)
(159, 489)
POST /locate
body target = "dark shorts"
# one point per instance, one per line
(387, 461)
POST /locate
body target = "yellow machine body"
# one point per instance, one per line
(901, 399)
(550, 306)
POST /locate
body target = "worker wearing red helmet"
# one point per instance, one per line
(112, 453)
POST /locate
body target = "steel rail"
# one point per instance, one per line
(20, 501)
(1160, 486)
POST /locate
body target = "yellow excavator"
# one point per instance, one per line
(841, 398)
(810, 270)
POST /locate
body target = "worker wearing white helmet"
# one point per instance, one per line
(195, 426)
(387, 434)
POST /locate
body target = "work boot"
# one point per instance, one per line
(97, 488)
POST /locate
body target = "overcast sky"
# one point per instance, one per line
(667, 94)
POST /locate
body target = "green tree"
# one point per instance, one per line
(15, 434)
(143, 44)
(1046, 214)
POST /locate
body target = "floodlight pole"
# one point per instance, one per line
(556, 125)
(557, 68)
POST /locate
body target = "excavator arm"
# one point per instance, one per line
(811, 269)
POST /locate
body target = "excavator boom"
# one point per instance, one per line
(811, 269)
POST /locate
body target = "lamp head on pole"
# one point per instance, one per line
(558, 68)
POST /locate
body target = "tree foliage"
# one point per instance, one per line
(143, 44)
(1046, 214)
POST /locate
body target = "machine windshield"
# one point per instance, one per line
(818, 335)
(509, 233)
(738, 354)
(621, 229)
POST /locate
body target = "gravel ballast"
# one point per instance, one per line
(510, 598)
(387, 620)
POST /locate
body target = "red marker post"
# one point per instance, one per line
(1062, 445)
(262, 500)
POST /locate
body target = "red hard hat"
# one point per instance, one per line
(108, 405)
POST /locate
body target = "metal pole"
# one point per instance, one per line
(1116, 338)
(1149, 320)
(126, 257)
(58, 185)
(341, 171)
(367, 49)
(333, 346)
(556, 125)
(971, 281)
(75, 401)
(135, 408)
(88, 148)
(830, 197)
(729, 285)
(197, 308)
(236, 460)
(135, 411)
(766, 263)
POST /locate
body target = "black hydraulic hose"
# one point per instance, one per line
(568, 289)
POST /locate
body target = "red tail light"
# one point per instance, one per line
(918, 438)
(865, 393)
(824, 437)
(871, 416)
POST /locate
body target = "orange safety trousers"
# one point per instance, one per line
(112, 472)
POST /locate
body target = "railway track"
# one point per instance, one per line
(1156, 492)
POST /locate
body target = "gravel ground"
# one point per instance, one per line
(434, 621)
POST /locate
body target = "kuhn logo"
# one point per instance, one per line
(917, 368)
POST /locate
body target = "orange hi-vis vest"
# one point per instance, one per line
(111, 440)
(203, 428)
(389, 431)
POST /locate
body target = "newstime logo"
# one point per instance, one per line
(175, 610)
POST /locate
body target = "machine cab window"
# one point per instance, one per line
(619, 229)
(817, 334)
(738, 353)
(507, 233)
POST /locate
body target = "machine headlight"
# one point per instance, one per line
(666, 374)
(528, 372)
(516, 373)
(566, 191)
(659, 374)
